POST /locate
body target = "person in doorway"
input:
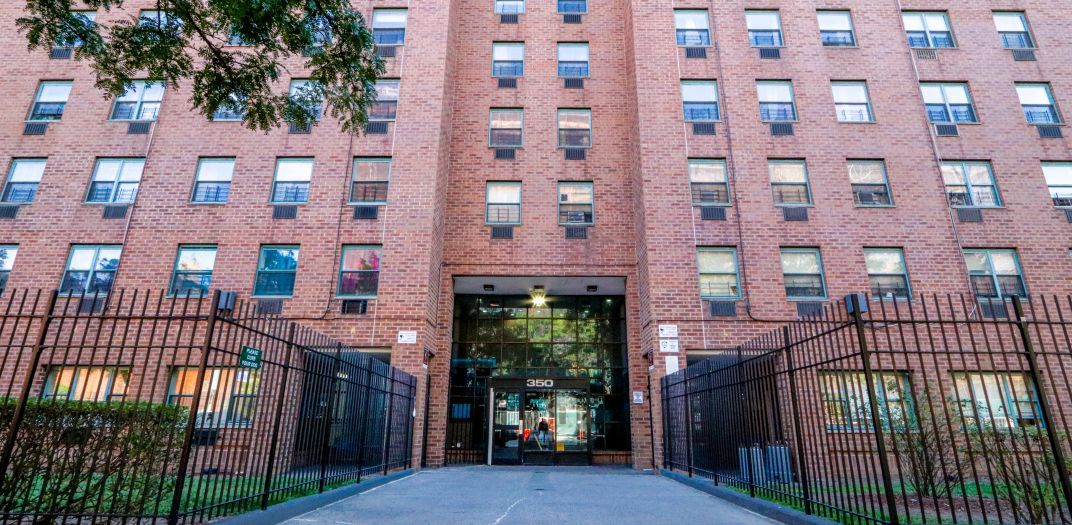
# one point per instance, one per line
(542, 432)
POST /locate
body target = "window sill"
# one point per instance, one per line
(128, 120)
(794, 121)
(822, 299)
(271, 296)
(825, 46)
(879, 206)
(505, 147)
(225, 120)
(568, 224)
(857, 122)
(719, 121)
(37, 121)
(99, 203)
(196, 203)
(712, 205)
(717, 298)
(809, 205)
(936, 48)
(356, 297)
(301, 203)
(767, 47)
(562, 77)
(494, 224)
(978, 207)
(684, 47)
(1036, 124)
(574, 147)
(376, 203)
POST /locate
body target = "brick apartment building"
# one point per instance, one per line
(547, 184)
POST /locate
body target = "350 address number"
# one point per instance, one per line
(540, 383)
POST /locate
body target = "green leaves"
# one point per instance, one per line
(195, 41)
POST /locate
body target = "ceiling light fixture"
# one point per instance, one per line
(539, 296)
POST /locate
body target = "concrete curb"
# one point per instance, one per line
(296, 507)
(762, 507)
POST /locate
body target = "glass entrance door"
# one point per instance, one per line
(571, 425)
(506, 428)
(539, 428)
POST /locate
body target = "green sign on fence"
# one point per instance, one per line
(250, 357)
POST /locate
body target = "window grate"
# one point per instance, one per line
(809, 309)
(781, 128)
(386, 51)
(355, 306)
(366, 212)
(926, 54)
(947, 130)
(723, 309)
(713, 213)
(92, 304)
(703, 128)
(139, 128)
(508, 19)
(1023, 55)
(505, 153)
(114, 212)
(571, 18)
(60, 53)
(993, 310)
(507, 83)
(573, 83)
(284, 212)
(376, 128)
(770, 52)
(695, 52)
(269, 307)
(969, 215)
(575, 153)
(794, 213)
(10, 211)
(576, 232)
(296, 129)
(1068, 215)
(1050, 132)
(35, 128)
(502, 232)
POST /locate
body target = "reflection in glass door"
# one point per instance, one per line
(539, 429)
(506, 428)
(571, 421)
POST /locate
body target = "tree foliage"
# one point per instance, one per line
(192, 40)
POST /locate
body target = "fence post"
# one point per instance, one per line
(329, 414)
(872, 398)
(688, 423)
(747, 446)
(387, 429)
(274, 446)
(668, 424)
(191, 421)
(369, 376)
(1044, 403)
(798, 433)
(24, 394)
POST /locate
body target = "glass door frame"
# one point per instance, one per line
(523, 386)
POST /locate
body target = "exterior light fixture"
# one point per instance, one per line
(489, 287)
(539, 296)
(592, 288)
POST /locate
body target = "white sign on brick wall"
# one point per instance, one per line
(668, 345)
(668, 330)
(407, 337)
(671, 364)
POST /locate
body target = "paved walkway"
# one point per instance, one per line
(531, 495)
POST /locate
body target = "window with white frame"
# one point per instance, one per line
(505, 128)
(232, 111)
(970, 184)
(359, 271)
(851, 102)
(50, 100)
(948, 103)
(776, 101)
(835, 29)
(22, 181)
(228, 395)
(1037, 103)
(503, 203)
(1013, 30)
(870, 185)
(90, 269)
(371, 178)
(699, 100)
(927, 29)
(7, 262)
(764, 28)
(573, 59)
(115, 181)
(574, 128)
(789, 182)
(212, 183)
(887, 273)
(576, 203)
(802, 273)
(389, 26)
(86, 383)
(507, 59)
(88, 19)
(192, 275)
(277, 269)
(693, 27)
(718, 273)
(847, 404)
(509, 7)
(292, 180)
(1059, 181)
(996, 400)
(140, 102)
(707, 180)
(307, 94)
(386, 105)
(995, 273)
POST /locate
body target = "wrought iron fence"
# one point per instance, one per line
(153, 408)
(931, 410)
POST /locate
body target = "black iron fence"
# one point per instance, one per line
(143, 407)
(933, 410)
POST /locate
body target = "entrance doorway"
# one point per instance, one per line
(540, 422)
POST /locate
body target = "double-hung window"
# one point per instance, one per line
(574, 128)
(847, 405)
(86, 383)
(306, 93)
(996, 400)
(386, 104)
(995, 273)
(277, 269)
(718, 273)
(948, 103)
(764, 28)
(870, 185)
(573, 59)
(359, 272)
(507, 59)
(1059, 182)
(970, 184)
(693, 27)
(1013, 30)
(292, 180)
(1037, 103)
(115, 181)
(91, 269)
(505, 128)
(887, 273)
(371, 178)
(572, 6)
(789, 182)
(22, 181)
(389, 26)
(699, 100)
(7, 262)
(88, 19)
(140, 102)
(503, 203)
(232, 111)
(835, 29)
(927, 29)
(576, 203)
(50, 101)
(851, 102)
(193, 270)
(163, 20)
(212, 183)
(802, 272)
(228, 395)
(509, 7)
(707, 180)
(776, 101)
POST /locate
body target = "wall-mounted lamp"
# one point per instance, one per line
(539, 296)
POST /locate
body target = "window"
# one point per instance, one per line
(235, 110)
(389, 27)
(22, 180)
(997, 400)
(86, 383)
(764, 28)
(212, 184)
(193, 271)
(386, 104)
(789, 182)
(575, 203)
(7, 262)
(509, 7)
(140, 102)
(887, 272)
(306, 93)
(504, 128)
(573, 60)
(1012, 28)
(776, 101)
(371, 178)
(927, 29)
(88, 18)
(847, 407)
(870, 186)
(699, 100)
(507, 59)
(718, 273)
(160, 19)
(802, 271)
(573, 6)
(707, 178)
(359, 273)
(321, 34)
(835, 29)
(115, 181)
(90, 269)
(851, 102)
(228, 395)
(1059, 181)
(948, 103)
(1037, 102)
(970, 184)
(503, 203)
(276, 271)
(50, 100)
(995, 273)
(693, 28)
(574, 128)
(292, 179)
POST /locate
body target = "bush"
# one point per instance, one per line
(84, 457)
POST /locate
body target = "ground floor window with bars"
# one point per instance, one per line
(707, 178)
(228, 395)
(359, 274)
(503, 203)
(997, 400)
(887, 273)
(86, 383)
(847, 407)
(995, 274)
(802, 271)
(718, 273)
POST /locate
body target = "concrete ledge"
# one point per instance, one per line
(296, 507)
(762, 507)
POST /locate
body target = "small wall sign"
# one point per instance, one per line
(407, 337)
(668, 330)
(638, 398)
(668, 345)
(250, 357)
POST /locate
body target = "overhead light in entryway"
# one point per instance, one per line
(592, 288)
(489, 287)
(539, 296)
